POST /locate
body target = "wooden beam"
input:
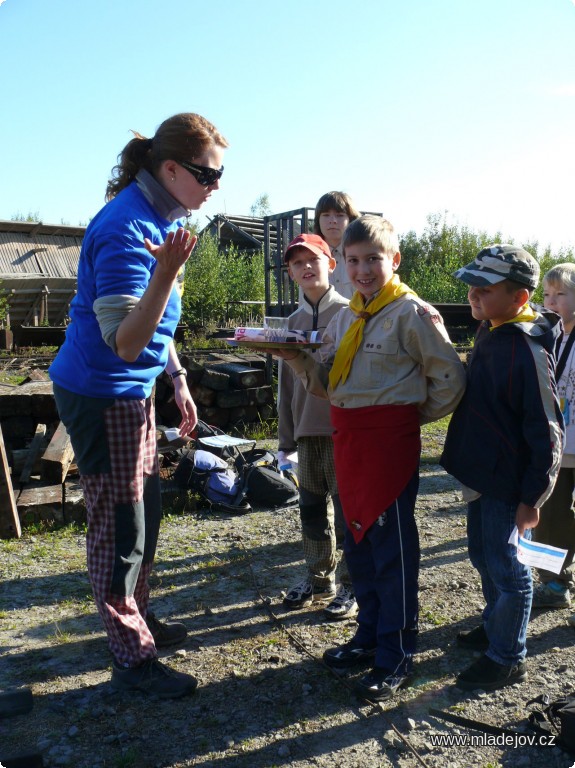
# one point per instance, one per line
(9, 521)
(57, 457)
(33, 453)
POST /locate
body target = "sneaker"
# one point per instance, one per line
(154, 679)
(551, 595)
(166, 633)
(380, 684)
(473, 639)
(349, 654)
(343, 606)
(488, 675)
(305, 593)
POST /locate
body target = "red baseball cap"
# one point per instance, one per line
(313, 243)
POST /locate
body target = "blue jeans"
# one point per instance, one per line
(506, 583)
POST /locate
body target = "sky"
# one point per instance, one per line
(413, 107)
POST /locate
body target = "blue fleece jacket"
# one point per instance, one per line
(114, 262)
(505, 436)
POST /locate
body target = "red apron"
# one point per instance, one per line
(377, 450)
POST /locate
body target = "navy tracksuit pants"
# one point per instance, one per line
(384, 569)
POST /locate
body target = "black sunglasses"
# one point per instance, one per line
(202, 174)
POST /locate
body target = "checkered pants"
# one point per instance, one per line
(124, 511)
(322, 521)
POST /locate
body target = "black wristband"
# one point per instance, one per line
(179, 372)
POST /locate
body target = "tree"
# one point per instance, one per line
(214, 280)
(429, 261)
(261, 207)
(30, 217)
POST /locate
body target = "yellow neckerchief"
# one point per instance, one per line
(351, 341)
(527, 315)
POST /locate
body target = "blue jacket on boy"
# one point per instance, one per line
(509, 418)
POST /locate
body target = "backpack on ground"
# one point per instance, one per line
(213, 479)
(230, 479)
(556, 718)
(262, 480)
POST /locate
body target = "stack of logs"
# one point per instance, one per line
(38, 478)
(230, 391)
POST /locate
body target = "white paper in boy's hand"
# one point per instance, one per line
(173, 433)
(536, 554)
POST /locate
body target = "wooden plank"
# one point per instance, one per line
(57, 457)
(35, 375)
(9, 521)
(37, 495)
(33, 452)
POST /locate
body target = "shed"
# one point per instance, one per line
(246, 233)
(38, 272)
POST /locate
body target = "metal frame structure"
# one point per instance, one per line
(279, 231)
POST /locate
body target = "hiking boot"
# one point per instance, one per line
(305, 593)
(380, 684)
(343, 605)
(551, 595)
(473, 639)
(488, 675)
(164, 633)
(349, 654)
(154, 679)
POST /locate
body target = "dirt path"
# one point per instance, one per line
(265, 699)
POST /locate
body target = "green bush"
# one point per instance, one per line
(215, 279)
(3, 308)
(429, 261)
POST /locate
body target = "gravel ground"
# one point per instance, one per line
(265, 698)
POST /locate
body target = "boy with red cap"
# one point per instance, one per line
(304, 424)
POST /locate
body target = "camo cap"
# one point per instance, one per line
(501, 262)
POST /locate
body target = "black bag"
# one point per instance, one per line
(263, 482)
(216, 481)
(555, 718)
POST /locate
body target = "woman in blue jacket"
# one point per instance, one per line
(120, 339)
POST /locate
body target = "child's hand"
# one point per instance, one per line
(526, 517)
(284, 354)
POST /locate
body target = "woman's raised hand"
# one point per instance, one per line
(174, 251)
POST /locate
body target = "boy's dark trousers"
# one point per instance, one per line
(384, 569)
(557, 526)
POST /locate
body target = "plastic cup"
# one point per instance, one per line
(275, 328)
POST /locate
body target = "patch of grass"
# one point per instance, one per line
(437, 619)
(262, 430)
(12, 379)
(9, 546)
(83, 605)
(66, 530)
(61, 637)
(432, 439)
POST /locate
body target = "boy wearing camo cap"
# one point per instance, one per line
(504, 445)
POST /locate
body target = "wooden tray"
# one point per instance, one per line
(263, 345)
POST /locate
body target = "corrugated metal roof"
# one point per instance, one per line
(34, 249)
(38, 270)
(245, 232)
